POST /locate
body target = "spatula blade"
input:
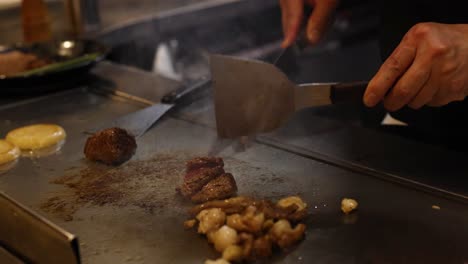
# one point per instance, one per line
(137, 123)
(250, 96)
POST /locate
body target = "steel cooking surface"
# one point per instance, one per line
(132, 213)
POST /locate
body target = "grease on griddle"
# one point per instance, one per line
(147, 184)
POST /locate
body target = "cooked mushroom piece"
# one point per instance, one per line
(210, 220)
(235, 205)
(277, 212)
(261, 247)
(223, 238)
(233, 253)
(348, 205)
(247, 230)
(284, 235)
(190, 223)
(292, 200)
(246, 241)
(250, 221)
(268, 224)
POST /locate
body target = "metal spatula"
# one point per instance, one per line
(137, 123)
(252, 96)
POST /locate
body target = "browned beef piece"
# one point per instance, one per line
(196, 179)
(111, 146)
(221, 187)
(204, 162)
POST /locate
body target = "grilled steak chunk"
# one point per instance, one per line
(206, 180)
(196, 179)
(204, 162)
(221, 187)
(111, 146)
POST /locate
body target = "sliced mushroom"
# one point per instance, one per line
(250, 221)
(348, 205)
(233, 253)
(223, 238)
(284, 235)
(210, 220)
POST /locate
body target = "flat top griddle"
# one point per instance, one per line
(136, 217)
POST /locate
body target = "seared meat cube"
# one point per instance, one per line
(221, 187)
(195, 181)
(111, 146)
(204, 162)
(206, 180)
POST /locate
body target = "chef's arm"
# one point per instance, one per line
(292, 14)
(428, 67)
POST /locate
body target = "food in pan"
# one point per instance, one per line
(8, 152)
(348, 205)
(245, 229)
(15, 62)
(38, 136)
(206, 180)
(112, 146)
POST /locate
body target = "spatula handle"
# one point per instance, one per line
(176, 95)
(348, 92)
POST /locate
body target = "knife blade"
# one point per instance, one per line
(137, 123)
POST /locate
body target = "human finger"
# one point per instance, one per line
(425, 95)
(319, 19)
(291, 16)
(390, 71)
(409, 85)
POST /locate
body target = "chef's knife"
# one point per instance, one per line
(252, 96)
(137, 123)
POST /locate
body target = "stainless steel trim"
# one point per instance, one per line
(34, 238)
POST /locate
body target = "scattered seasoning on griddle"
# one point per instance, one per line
(147, 184)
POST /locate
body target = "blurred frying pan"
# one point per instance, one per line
(68, 62)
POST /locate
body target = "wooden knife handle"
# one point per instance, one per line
(348, 92)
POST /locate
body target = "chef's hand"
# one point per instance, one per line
(429, 67)
(292, 14)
